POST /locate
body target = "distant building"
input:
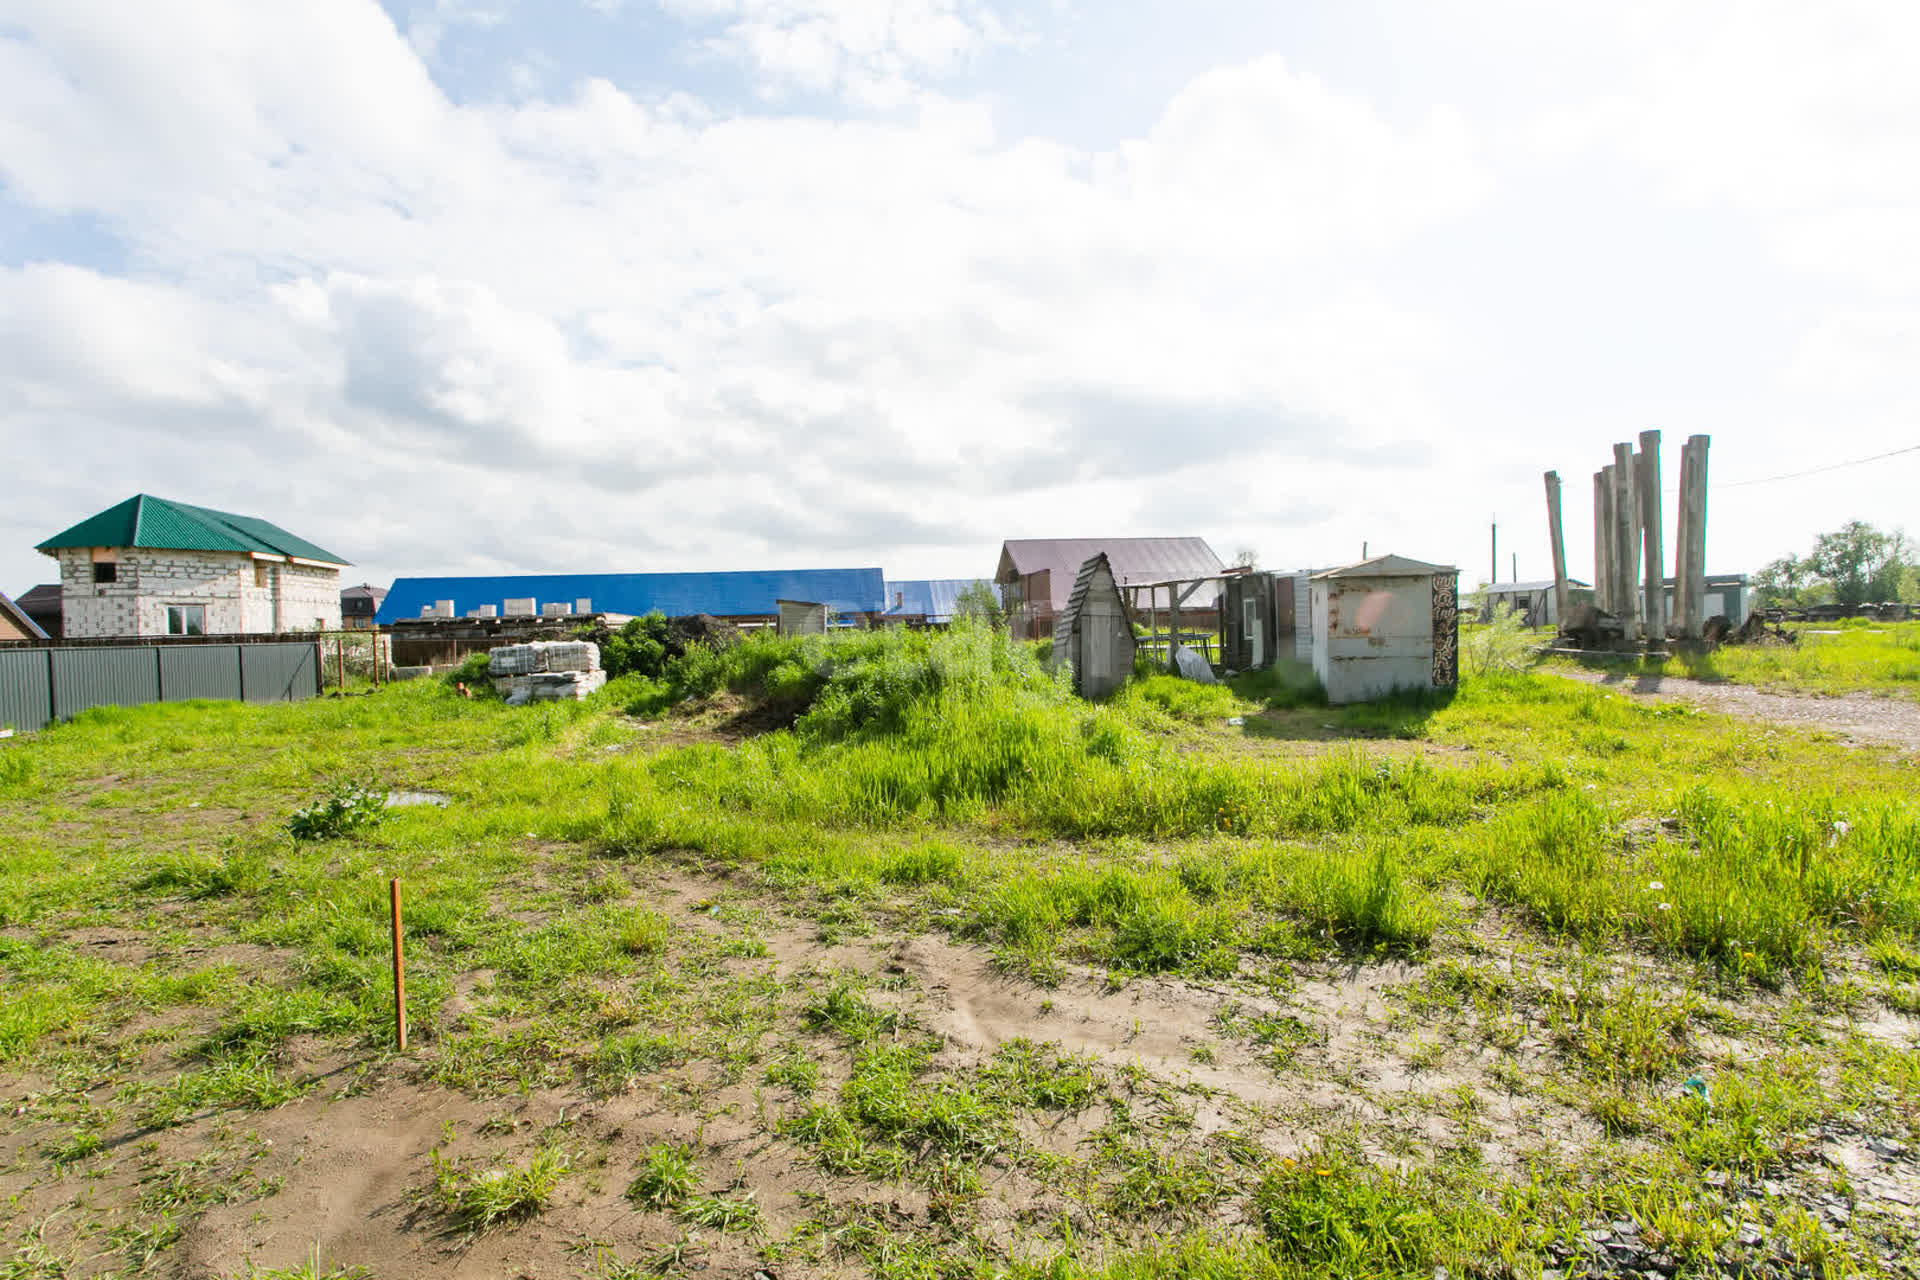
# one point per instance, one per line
(1533, 601)
(745, 598)
(928, 602)
(1383, 625)
(151, 567)
(1726, 597)
(358, 605)
(1037, 575)
(15, 624)
(42, 604)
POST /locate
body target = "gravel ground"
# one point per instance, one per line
(1856, 717)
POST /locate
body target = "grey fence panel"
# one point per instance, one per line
(278, 672)
(200, 671)
(26, 696)
(85, 678)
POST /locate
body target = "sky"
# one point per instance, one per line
(452, 286)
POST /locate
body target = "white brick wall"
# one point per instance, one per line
(224, 583)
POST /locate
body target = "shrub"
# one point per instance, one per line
(348, 807)
(475, 671)
(1502, 645)
(637, 648)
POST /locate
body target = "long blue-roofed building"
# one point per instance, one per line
(925, 601)
(739, 596)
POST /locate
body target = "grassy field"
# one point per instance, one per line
(1828, 658)
(884, 955)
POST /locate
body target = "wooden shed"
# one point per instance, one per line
(1094, 631)
(1385, 624)
(801, 617)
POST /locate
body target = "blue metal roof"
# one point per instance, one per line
(931, 598)
(724, 595)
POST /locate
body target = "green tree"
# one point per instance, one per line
(1863, 564)
(1782, 581)
(979, 602)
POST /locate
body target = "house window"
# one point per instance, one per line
(260, 576)
(186, 620)
(106, 571)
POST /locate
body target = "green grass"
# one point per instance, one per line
(477, 1199)
(666, 1177)
(1589, 895)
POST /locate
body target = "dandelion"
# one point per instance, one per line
(1324, 1173)
(1654, 886)
(1665, 906)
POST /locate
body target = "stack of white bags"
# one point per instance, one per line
(546, 671)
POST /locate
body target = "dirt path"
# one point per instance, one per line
(1857, 717)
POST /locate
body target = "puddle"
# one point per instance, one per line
(402, 799)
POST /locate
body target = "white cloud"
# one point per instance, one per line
(1799, 116)
(875, 53)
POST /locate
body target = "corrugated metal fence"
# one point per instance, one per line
(42, 685)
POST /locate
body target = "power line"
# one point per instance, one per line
(1795, 475)
(1835, 466)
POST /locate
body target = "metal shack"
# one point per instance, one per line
(1385, 624)
(801, 617)
(1095, 631)
(1260, 620)
(1533, 601)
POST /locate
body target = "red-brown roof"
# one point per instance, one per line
(1133, 561)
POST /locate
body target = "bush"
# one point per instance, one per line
(638, 648)
(347, 808)
(475, 671)
(1502, 645)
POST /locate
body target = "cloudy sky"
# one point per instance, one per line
(483, 285)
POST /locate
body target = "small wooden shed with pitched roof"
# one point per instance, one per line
(1095, 631)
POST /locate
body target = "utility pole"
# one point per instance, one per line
(1493, 555)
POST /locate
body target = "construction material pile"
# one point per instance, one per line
(546, 671)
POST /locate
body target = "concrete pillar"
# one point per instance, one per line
(1603, 538)
(1653, 603)
(1559, 548)
(1693, 497)
(1626, 539)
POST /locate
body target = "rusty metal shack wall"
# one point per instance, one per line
(1373, 635)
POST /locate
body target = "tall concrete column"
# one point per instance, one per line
(1683, 546)
(1626, 538)
(1603, 538)
(1695, 497)
(1559, 547)
(1654, 592)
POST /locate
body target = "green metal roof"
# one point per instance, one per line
(145, 521)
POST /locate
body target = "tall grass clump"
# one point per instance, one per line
(1550, 856)
(1765, 878)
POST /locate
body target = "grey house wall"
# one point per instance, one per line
(39, 686)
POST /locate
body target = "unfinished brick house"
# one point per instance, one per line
(150, 567)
